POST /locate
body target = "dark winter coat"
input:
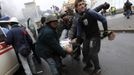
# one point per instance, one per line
(127, 6)
(47, 45)
(88, 23)
(104, 6)
(90, 27)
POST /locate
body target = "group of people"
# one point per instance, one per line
(83, 28)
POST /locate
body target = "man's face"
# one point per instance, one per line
(66, 18)
(54, 24)
(81, 7)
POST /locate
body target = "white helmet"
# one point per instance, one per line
(14, 19)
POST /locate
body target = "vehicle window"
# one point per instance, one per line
(2, 36)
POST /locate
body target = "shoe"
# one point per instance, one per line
(128, 17)
(77, 58)
(88, 68)
(63, 65)
(96, 72)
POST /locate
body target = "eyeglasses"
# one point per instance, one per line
(55, 21)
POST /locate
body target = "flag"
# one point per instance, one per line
(56, 8)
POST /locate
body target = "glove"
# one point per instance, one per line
(105, 33)
(111, 36)
(73, 41)
(79, 40)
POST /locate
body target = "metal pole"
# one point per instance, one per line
(0, 10)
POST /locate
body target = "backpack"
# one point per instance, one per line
(25, 49)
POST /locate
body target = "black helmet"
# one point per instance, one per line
(63, 14)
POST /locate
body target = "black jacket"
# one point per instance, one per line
(104, 6)
(47, 45)
(88, 23)
(127, 5)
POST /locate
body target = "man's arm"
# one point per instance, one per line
(9, 38)
(52, 42)
(99, 17)
(98, 8)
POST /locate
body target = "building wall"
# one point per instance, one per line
(31, 11)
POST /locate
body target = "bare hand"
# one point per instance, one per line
(73, 40)
(69, 50)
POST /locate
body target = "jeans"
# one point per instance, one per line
(128, 13)
(91, 48)
(54, 66)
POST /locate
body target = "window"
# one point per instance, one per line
(2, 36)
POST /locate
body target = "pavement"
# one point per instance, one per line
(116, 57)
(119, 22)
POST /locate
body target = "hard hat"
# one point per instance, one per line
(51, 18)
(14, 19)
(63, 14)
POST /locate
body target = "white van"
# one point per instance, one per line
(8, 60)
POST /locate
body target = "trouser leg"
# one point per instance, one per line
(128, 12)
(53, 66)
(91, 48)
(94, 50)
(86, 51)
